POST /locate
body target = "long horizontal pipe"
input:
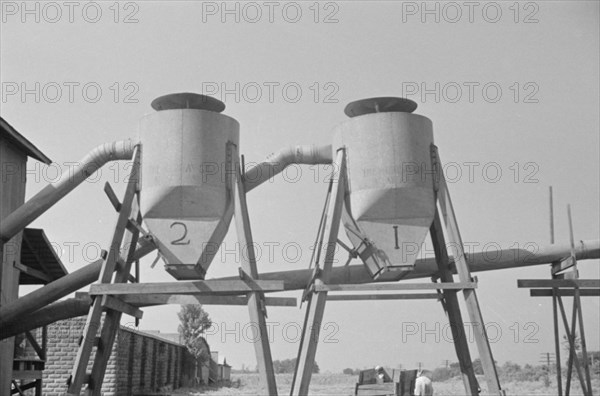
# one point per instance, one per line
(277, 162)
(426, 268)
(70, 308)
(298, 279)
(52, 193)
(14, 310)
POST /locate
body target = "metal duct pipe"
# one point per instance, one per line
(426, 268)
(61, 310)
(277, 162)
(50, 293)
(14, 310)
(351, 274)
(52, 193)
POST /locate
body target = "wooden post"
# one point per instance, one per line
(464, 274)
(555, 301)
(113, 317)
(79, 375)
(255, 304)
(556, 339)
(572, 356)
(577, 305)
(461, 345)
(317, 300)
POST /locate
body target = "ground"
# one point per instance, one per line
(340, 384)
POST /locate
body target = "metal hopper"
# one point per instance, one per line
(391, 202)
(188, 171)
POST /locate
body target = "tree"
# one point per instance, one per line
(194, 321)
(576, 342)
(477, 366)
(289, 365)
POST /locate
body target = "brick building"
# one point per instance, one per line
(139, 363)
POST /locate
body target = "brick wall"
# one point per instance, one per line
(139, 362)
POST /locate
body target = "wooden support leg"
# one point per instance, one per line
(255, 300)
(584, 356)
(472, 303)
(316, 302)
(456, 324)
(556, 340)
(113, 259)
(113, 317)
(573, 360)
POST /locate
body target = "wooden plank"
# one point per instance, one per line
(563, 265)
(33, 272)
(38, 349)
(573, 358)
(27, 374)
(584, 355)
(470, 295)
(37, 257)
(112, 197)
(369, 297)
(113, 318)
(30, 385)
(78, 374)
(142, 300)
(12, 196)
(256, 309)
(316, 303)
(585, 283)
(123, 307)
(452, 307)
(383, 391)
(384, 386)
(396, 286)
(187, 287)
(564, 293)
(557, 346)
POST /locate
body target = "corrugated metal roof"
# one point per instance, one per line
(37, 253)
(9, 133)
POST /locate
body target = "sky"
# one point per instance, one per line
(512, 89)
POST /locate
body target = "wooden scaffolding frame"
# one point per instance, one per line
(113, 297)
(317, 291)
(565, 282)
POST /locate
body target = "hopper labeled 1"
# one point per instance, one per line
(188, 173)
(390, 203)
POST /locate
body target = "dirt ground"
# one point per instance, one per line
(340, 384)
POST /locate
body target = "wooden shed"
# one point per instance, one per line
(27, 258)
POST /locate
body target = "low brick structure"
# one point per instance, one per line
(140, 363)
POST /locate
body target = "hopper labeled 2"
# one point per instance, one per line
(188, 173)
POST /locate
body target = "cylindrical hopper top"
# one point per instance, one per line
(188, 172)
(390, 177)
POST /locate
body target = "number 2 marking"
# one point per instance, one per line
(180, 241)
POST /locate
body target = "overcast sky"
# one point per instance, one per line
(512, 90)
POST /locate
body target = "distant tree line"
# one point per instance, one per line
(349, 371)
(509, 371)
(287, 366)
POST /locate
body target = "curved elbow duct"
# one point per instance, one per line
(52, 193)
(277, 162)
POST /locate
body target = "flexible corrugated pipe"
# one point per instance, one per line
(277, 162)
(52, 193)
